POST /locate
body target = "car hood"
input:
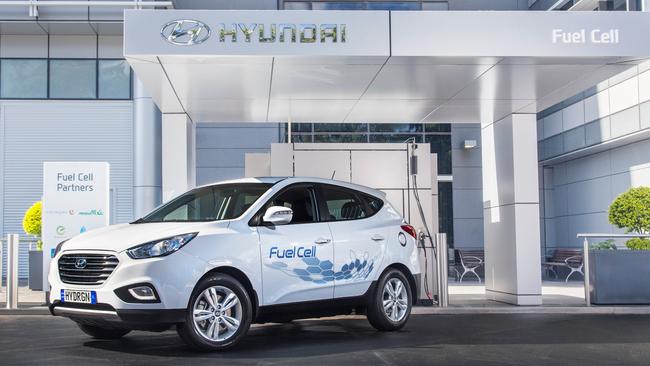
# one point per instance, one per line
(124, 236)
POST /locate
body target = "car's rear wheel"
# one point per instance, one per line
(390, 305)
(219, 314)
(103, 333)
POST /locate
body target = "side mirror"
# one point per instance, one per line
(278, 215)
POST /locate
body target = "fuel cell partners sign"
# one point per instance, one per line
(75, 199)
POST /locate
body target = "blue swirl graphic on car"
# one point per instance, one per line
(319, 271)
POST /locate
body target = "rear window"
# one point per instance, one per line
(342, 204)
(374, 204)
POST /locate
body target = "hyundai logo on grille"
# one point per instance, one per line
(80, 263)
(185, 32)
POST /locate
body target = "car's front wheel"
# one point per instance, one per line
(390, 306)
(219, 314)
(103, 333)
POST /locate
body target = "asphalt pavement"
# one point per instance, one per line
(488, 339)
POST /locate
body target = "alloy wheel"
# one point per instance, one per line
(217, 313)
(395, 300)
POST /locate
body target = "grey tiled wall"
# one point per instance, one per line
(221, 148)
(467, 186)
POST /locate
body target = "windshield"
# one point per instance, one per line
(219, 202)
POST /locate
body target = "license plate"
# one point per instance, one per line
(81, 296)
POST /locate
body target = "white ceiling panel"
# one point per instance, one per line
(407, 110)
(474, 111)
(309, 110)
(219, 81)
(523, 81)
(321, 81)
(418, 81)
(227, 110)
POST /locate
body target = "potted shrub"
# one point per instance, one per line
(32, 226)
(623, 276)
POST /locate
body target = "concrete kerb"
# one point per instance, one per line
(422, 310)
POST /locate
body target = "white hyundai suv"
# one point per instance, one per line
(220, 257)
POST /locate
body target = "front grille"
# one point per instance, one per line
(97, 269)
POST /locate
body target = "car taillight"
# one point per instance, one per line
(410, 230)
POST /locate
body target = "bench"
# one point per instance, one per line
(470, 260)
(567, 258)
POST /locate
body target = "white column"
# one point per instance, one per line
(147, 179)
(511, 210)
(178, 155)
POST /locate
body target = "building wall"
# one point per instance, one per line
(467, 186)
(613, 109)
(596, 147)
(36, 131)
(582, 190)
(221, 148)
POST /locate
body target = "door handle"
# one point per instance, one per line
(377, 237)
(322, 241)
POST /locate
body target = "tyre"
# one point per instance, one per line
(390, 305)
(219, 314)
(103, 333)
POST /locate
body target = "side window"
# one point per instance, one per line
(299, 200)
(342, 204)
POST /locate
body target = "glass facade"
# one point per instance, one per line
(73, 79)
(23, 78)
(438, 135)
(65, 79)
(446, 211)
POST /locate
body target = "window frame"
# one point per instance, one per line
(324, 210)
(256, 220)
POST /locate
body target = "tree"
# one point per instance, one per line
(631, 211)
(32, 222)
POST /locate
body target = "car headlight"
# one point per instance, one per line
(59, 247)
(160, 247)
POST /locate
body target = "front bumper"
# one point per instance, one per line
(173, 278)
(103, 314)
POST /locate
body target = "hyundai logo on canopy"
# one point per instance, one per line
(185, 32)
(190, 32)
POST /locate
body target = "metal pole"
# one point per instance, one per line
(441, 249)
(12, 271)
(585, 261)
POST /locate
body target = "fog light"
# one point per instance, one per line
(143, 293)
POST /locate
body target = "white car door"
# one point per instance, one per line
(359, 239)
(297, 258)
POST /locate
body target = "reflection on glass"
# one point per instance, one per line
(73, 79)
(446, 211)
(437, 127)
(394, 138)
(301, 138)
(114, 79)
(341, 138)
(396, 127)
(23, 79)
(340, 127)
(441, 145)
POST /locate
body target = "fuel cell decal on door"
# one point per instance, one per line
(321, 272)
